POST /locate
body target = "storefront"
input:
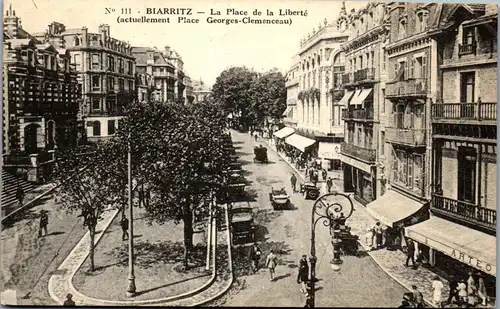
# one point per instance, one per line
(457, 249)
(299, 144)
(358, 178)
(328, 153)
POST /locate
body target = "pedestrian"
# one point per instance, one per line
(471, 290)
(256, 135)
(69, 301)
(481, 289)
(405, 304)
(410, 252)
(437, 287)
(124, 225)
(293, 182)
(311, 174)
(378, 235)
(20, 195)
(324, 173)
(271, 262)
(369, 238)
(44, 222)
(453, 285)
(303, 275)
(315, 177)
(462, 293)
(417, 297)
(329, 184)
(255, 257)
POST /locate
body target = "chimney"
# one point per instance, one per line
(104, 30)
(167, 51)
(11, 23)
(84, 36)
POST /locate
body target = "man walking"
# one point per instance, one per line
(324, 173)
(20, 195)
(303, 275)
(69, 302)
(124, 225)
(329, 184)
(255, 257)
(293, 182)
(410, 253)
(44, 222)
(453, 284)
(271, 262)
(417, 297)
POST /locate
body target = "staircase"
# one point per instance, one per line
(9, 187)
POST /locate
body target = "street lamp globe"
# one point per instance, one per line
(335, 267)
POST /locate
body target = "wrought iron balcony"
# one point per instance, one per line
(367, 155)
(358, 114)
(409, 136)
(467, 49)
(363, 75)
(468, 111)
(416, 87)
(467, 212)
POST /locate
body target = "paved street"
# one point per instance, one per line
(359, 283)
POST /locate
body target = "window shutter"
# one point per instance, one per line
(410, 171)
(412, 68)
(396, 69)
(394, 167)
(424, 67)
(406, 70)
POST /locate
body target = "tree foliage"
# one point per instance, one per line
(251, 95)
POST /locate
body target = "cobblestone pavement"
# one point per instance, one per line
(360, 282)
(392, 262)
(60, 283)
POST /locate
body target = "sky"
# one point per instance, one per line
(206, 48)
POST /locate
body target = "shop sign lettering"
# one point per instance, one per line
(472, 261)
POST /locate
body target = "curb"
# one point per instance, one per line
(427, 301)
(30, 203)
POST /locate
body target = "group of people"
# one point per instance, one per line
(468, 293)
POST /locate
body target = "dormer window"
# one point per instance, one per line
(468, 36)
(402, 28)
(422, 17)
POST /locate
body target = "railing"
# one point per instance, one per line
(358, 114)
(467, 49)
(412, 137)
(364, 75)
(471, 111)
(364, 154)
(465, 211)
(347, 78)
(409, 87)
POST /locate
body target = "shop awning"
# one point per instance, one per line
(464, 244)
(363, 95)
(300, 142)
(287, 111)
(345, 98)
(355, 163)
(355, 98)
(393, 207)
(329, 151)
(286, 131)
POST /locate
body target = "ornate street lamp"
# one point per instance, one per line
(327, 208)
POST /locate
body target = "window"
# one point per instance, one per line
(468, 36)
(383, 101)
(111, 127)
(143, 97)
(53, 65)
(96, 103)
(130, 68)
(409, 175)
(111, 63)
(417, 173)
(120, 66)
(78, 60)
(467, 174)
(130, 85)
(121, 85)
(402, 29)
(96, 83)
(373, 59)
(96, 128)
(382, 143)
(111, 83)
(360, 133)
(77, 41)
(399, 116)
(95, 62)
(467, 87)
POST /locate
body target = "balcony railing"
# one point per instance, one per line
(467, 49)
(465, 211)
(347, 78)
(411, 137)
(367, 74)
(367, 155)
(358, 114)
(470, 111)
(409, 87)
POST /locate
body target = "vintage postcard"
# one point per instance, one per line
(249, 154)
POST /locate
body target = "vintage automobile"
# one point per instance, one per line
(279, 198)
(310, 190)
(260, 153)
(242, 224)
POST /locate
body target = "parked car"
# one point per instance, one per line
(242, 222)
(260, 154)
(279, 198)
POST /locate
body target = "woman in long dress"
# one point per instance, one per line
(437, 287)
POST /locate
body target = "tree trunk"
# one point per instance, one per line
(92, 237)
(188, 236)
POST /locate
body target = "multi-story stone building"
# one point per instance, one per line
(201, 91)
(460, 234)
(292, 92)
(106, 70)
(314, 106)
(146, 88)
(41, 98)
(363, 152)
(180, 83)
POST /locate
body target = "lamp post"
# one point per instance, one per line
(326, 210)
(131, 289)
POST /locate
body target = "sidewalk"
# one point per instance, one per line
(392, 262)
(61, 281)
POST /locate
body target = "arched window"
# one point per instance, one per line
(77, 41)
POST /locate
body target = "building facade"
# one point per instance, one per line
(292, 92)
(464, 141)
(363, 150)
(106, 70)
(146, 88)
(41, 97)
(201, 91)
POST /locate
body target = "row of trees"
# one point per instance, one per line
(251, 95)
(178, 155)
